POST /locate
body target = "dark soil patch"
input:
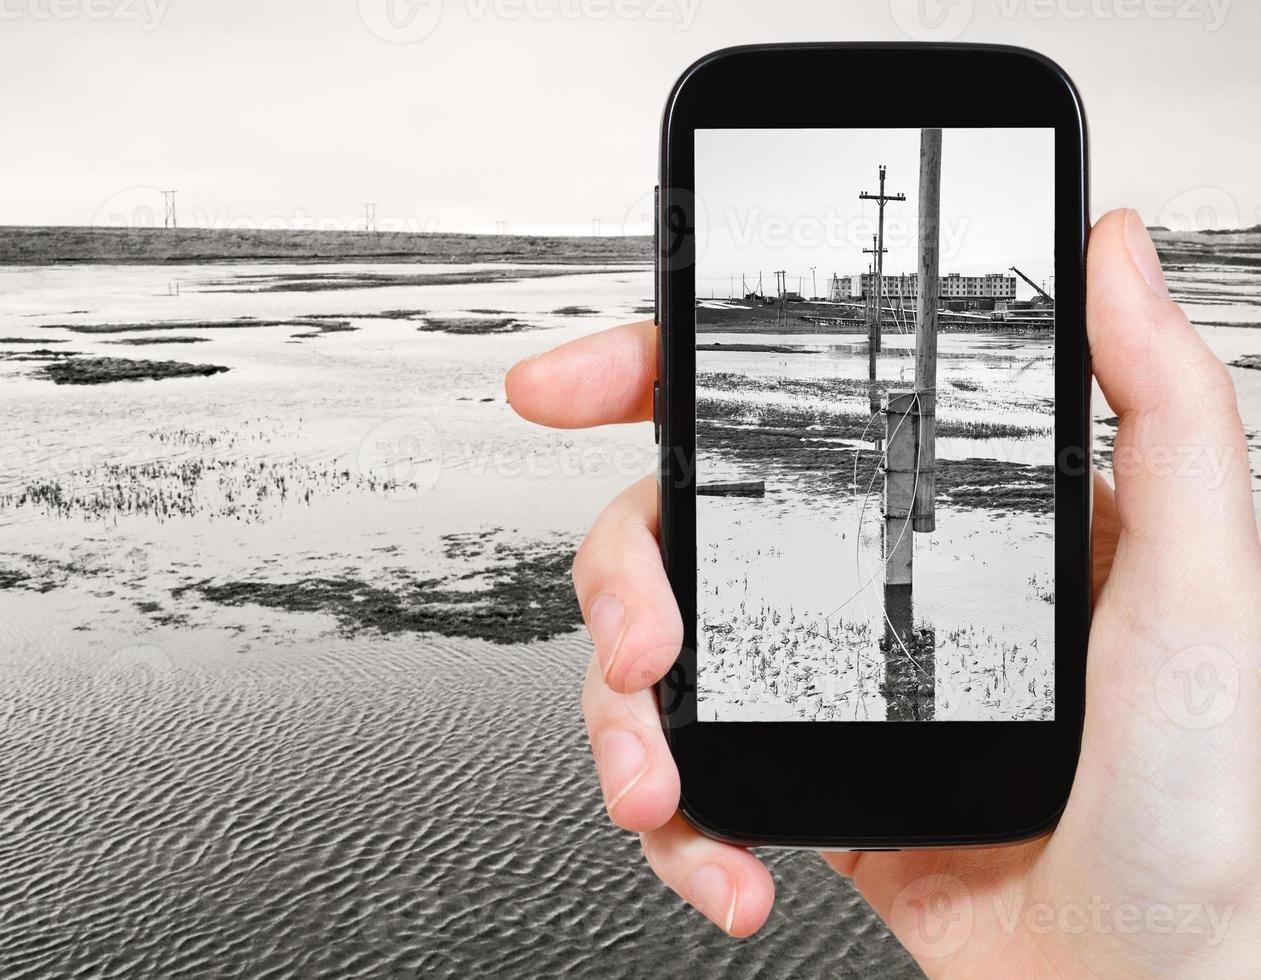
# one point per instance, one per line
(817, 462)
(321, 324)
(472, 326)
(147, 341)
(29, 340)
(573, 311)
(39, 354)
(314, 282)
(103, 370)
(838, 425)
(525, 594)
(1252, 361)
(12, 579)
(765, 348)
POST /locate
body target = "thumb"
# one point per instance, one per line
(1183, 493)
(1169, 780)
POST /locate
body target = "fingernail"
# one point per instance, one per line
(1144, 254)
(623, 762)
(714, 895)
(607, 622)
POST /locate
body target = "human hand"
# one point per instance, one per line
(1155, 866)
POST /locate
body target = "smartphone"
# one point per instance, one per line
(873, 413)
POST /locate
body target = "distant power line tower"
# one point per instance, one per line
(169, 198)
(878, 248)
(595, 227)
(370, 217)
(501, 227)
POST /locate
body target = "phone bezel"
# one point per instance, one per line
(896, 784)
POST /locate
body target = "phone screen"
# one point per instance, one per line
(875, 519)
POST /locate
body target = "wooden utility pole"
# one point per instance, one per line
(910, 416)
(881, 199)
(925, 517)
(873, 311)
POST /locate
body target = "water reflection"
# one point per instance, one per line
(909, 687)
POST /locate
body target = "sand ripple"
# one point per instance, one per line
(425, 808)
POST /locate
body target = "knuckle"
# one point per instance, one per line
(1218, 388)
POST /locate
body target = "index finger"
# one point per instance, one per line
(602, 379)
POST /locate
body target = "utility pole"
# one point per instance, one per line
(873, 314)
(909, 685)
(370, 218)
(881, 199)
(925, 516)
(910, 416)
(168, 198)
(814, 282)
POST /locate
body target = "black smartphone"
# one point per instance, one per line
(873, 414)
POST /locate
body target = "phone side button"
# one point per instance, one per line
(656, 412)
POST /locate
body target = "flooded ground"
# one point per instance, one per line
(794, 621)
(290, 654)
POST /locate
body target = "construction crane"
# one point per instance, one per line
(1036, 288)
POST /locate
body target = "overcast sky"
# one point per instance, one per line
(788, 199)
(539, 113)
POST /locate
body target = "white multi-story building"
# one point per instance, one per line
(954, 285)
